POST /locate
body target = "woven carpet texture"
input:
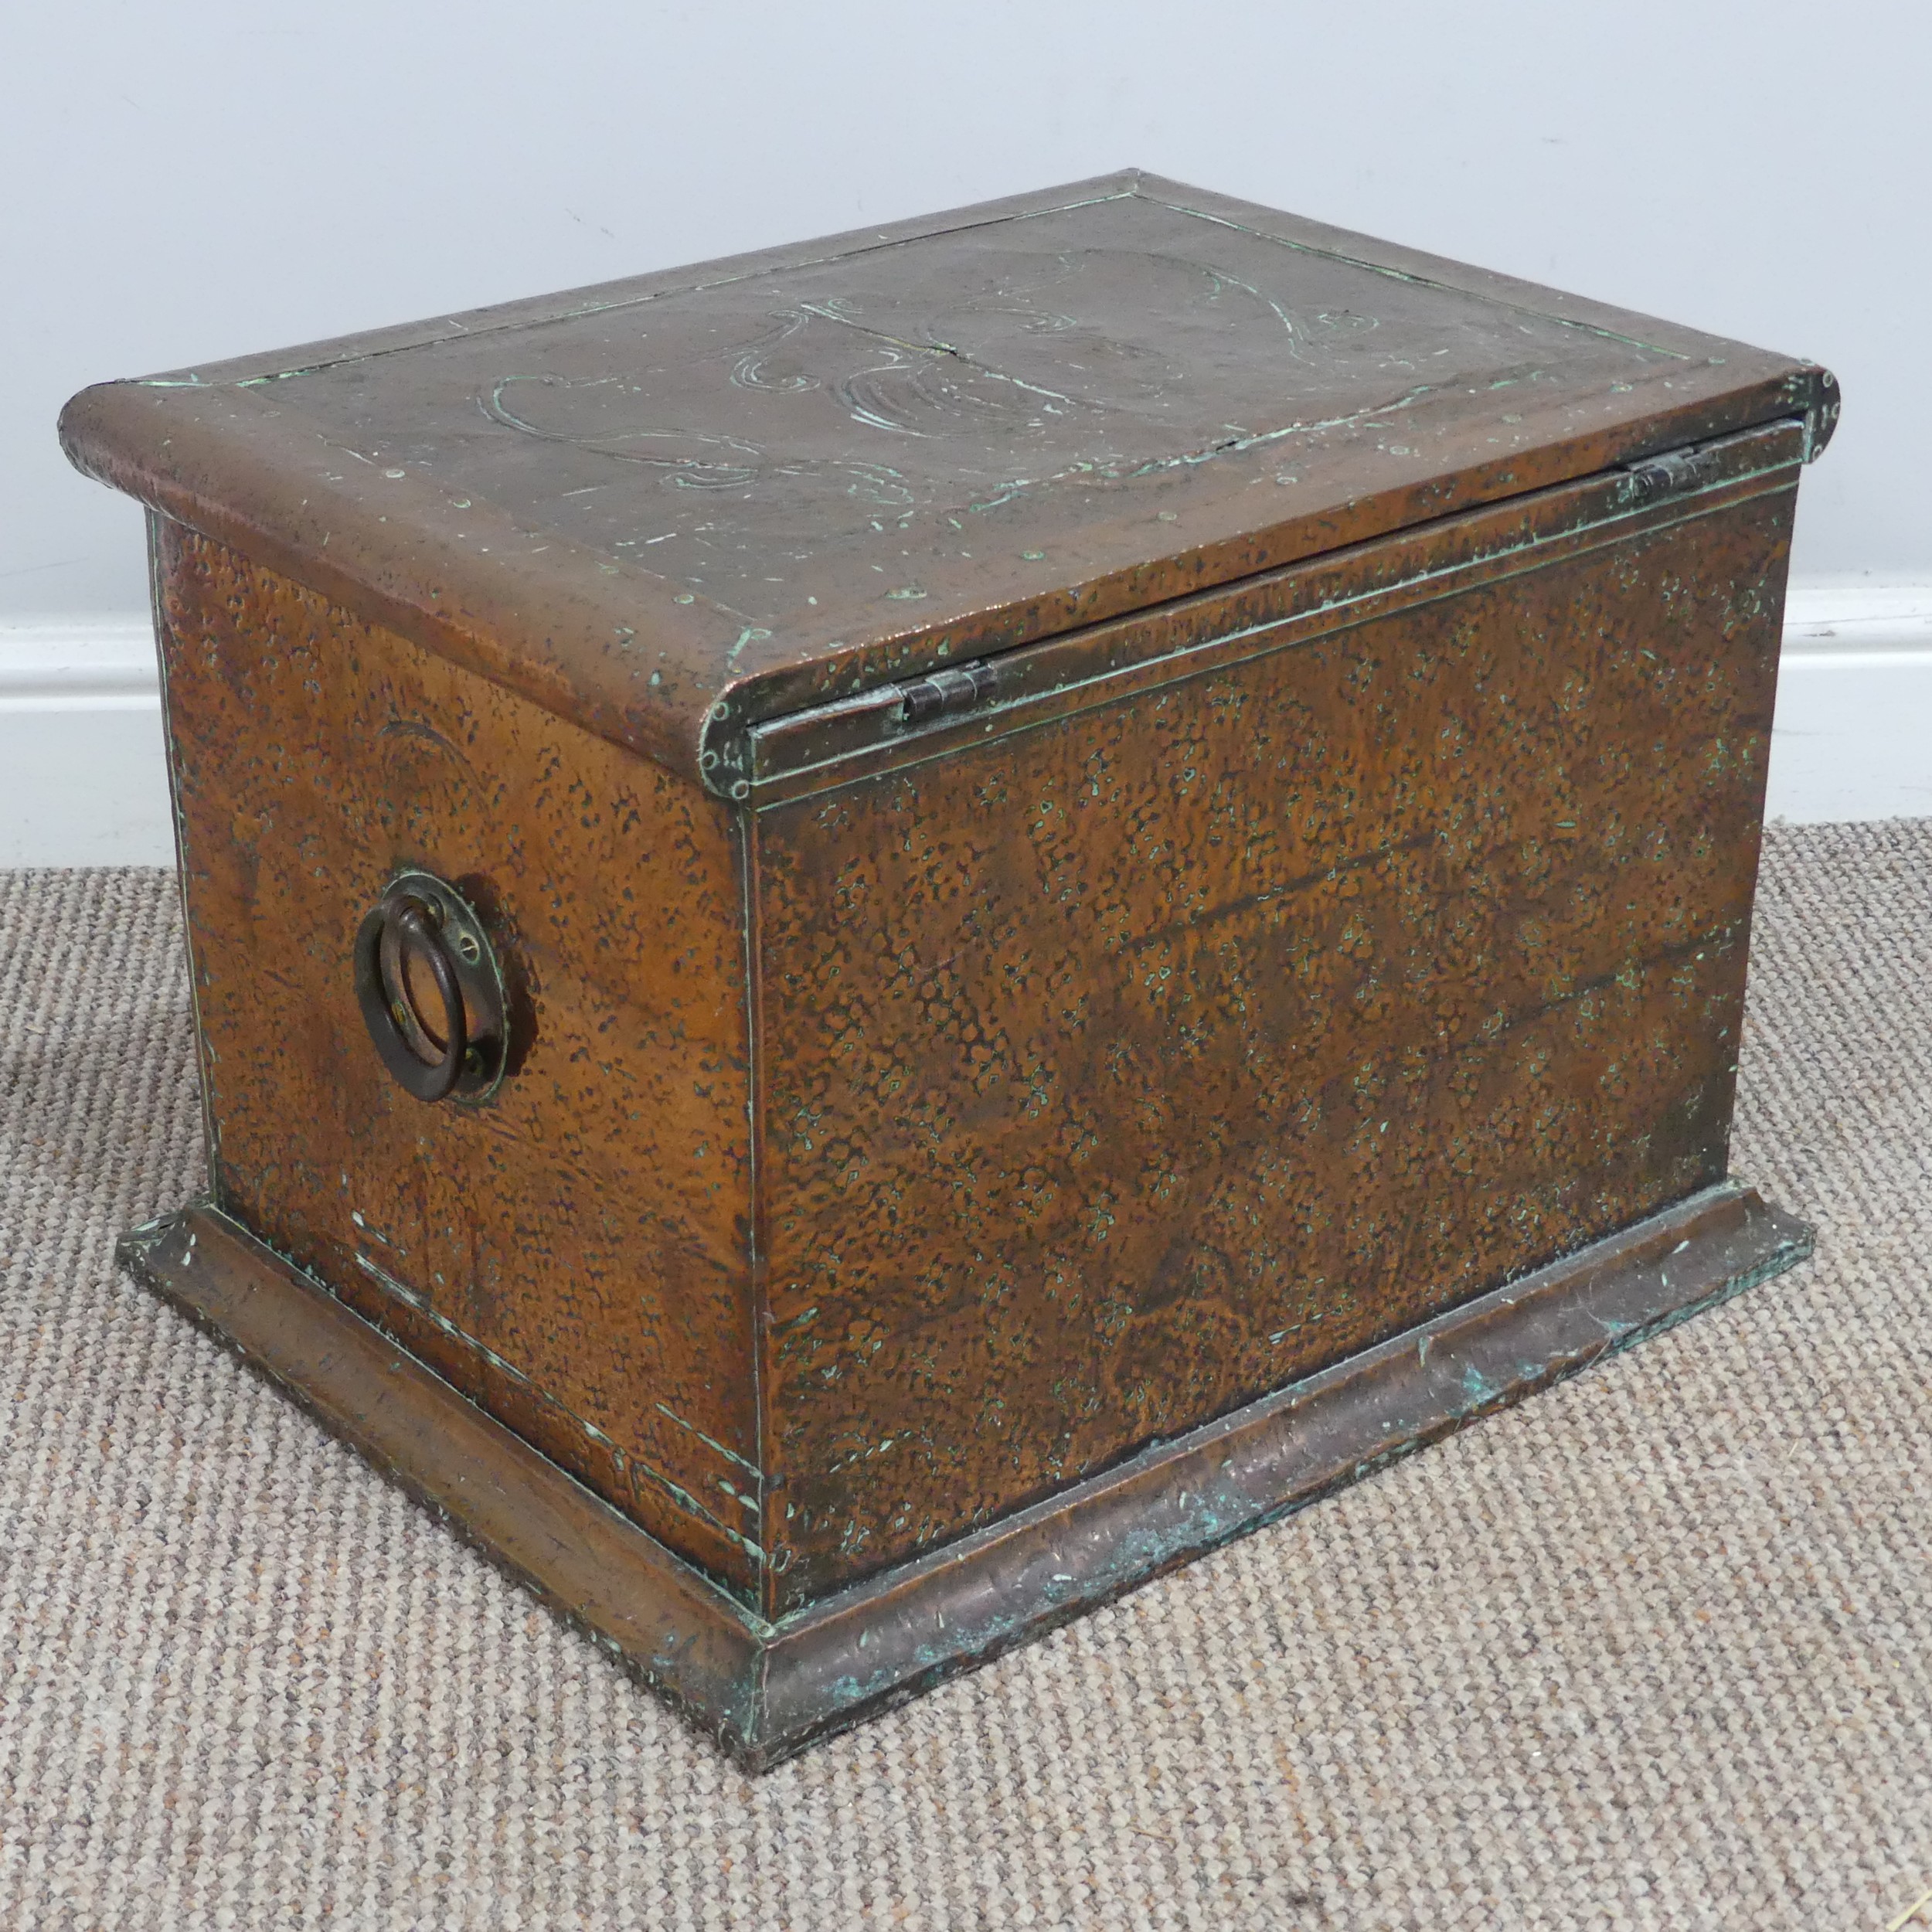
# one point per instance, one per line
(1654, 1649)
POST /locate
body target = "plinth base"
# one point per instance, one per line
(767, 1689)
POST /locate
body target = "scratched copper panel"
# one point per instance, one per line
(579, 1244)
(941, 408)
(775, 482)
(1120, 1071)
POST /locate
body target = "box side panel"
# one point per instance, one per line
(573, 1254)
(1125, 1069)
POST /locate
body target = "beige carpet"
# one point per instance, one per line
(1655, 1649)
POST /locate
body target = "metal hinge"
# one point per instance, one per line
(1672, 471)
(1697, 465)
(942, 693)
(866, 718)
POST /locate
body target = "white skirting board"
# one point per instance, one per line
(1853, 734)
(84, 778)
(84, 782)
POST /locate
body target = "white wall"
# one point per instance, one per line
(217, 176)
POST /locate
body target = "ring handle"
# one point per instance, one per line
(407, 932)
(452, 1043)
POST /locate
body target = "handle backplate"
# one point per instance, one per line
(431, 991)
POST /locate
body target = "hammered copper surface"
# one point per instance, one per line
(1117, 1071)
(1088, 805)
(572, 1253)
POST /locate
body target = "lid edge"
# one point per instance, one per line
(611, 648)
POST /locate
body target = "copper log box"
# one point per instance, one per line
(887, 935)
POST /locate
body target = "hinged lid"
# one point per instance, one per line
(733, 491)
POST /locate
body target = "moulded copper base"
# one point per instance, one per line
(766, 1690)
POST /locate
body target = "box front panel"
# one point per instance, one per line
(573, 1254)
(1119, 1070)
